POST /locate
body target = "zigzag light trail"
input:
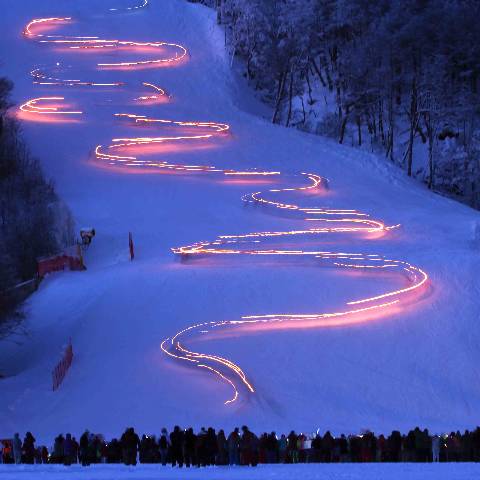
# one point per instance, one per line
(118, 153)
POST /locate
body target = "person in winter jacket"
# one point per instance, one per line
(301, 439)
(317, 448)
(271, 448)
(327, 447)
(58, 449)
(249, 447)
(190, 444)
(436, 448)
(29, 449)
(221, 457)
(143, 450)
(211, 446)
(394, 445)
(69, 451)
(96, 451)
(202, 448)
(17, 449)
(114, 451)
(233, 443)
(84, 448)
(130, 443)
(282, 448)
(44, 454)
(381, 448)
(176, 441)
(292, 447)
(164, 445)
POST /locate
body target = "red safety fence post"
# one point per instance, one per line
(130, 246)
(62, 367)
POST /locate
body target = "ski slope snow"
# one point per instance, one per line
(389, 471)
(413, 361)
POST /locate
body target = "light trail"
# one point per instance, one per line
(160, 92)
(130, 9)
(31, 106)
(136, 152)
(42, 78)
(90, 42)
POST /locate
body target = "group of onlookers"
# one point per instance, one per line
(243, 447)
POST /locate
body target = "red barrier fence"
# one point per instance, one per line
(63, 366)
(59, 262)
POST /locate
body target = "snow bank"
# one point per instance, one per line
(275, 472)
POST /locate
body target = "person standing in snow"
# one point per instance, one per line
(327, 446)
(211, 445)
(292, 447)
(84, 449)
(190, 443)
(301, 447)
(343, 447)
(394, 445)
(29, 448)
(58, 450)
(233, 447)
(221, 457)
(436, 448)
(114, 451)
(176, 441)
(143, 449)
(17, 449)
(164, 445)
(255, 446)
(282, 449)
(201, 448)
(130, 443)
(272, 448)
(475, 439)
(69, 454)
(44, 454)
(249, 447)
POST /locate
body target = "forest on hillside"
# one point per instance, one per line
(397, 77)
(34, 222)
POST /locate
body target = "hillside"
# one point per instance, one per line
(414, 362)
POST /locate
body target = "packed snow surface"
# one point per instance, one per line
(385, 471)
(415, 362)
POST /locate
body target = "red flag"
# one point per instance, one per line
(130, 246)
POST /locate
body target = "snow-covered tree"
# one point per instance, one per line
(402, 73)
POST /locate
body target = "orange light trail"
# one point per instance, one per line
(337, 221)
(89, 42)
(32, 107)
(161, 92)
(229, 245)
(123, 152)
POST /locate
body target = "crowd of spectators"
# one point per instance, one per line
(243, 447)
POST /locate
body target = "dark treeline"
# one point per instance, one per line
(400, 76)
(33, 220)
(243, 447)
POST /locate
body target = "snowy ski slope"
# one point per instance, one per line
(340, 327)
